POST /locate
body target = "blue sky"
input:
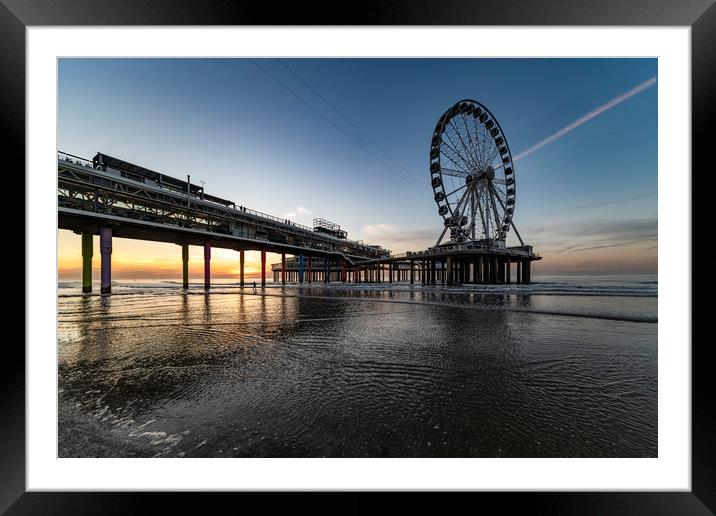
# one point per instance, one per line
(587, 201)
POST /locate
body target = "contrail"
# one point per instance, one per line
(601, 109)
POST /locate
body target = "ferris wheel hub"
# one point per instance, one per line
(489, 173)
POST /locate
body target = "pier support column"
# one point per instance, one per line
(310, 270)
(518, 264)
(283, 268)
(185, 265)
(105, 249)
(241, 267)
(87, 252)
(508, 271)
(390, 273)
(343, 271)
(528, 271)
(412, 272)
(449, 270)
(300, 268)
(207, 265)
(263, 268)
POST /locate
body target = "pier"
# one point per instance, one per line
(447, 265)
(110, 197)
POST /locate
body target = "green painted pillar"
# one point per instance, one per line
(185, 265)
(87, 262)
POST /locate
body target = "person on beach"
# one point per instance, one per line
(254, 287)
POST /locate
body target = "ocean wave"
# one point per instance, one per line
(634, 289)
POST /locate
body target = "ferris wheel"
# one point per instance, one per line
(472, 175)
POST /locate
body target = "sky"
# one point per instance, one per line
(348, 140)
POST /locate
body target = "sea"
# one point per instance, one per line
(563, 367)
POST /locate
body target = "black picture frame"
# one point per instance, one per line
(700, 15)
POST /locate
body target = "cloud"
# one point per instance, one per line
(635, 228)
(576, 248)
(378, 230)
(300, 210)
(575, 236)
(399, 240)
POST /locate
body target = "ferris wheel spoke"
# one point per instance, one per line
(473, 200)
(484, 144)
(498, 219)
(456, 212)
(467, 153)
(491, 149)
(493, 155)
(473, 146)
(497, 189)
(465, 158)
(452, 172)
(455, 157)
(460, 173)
(502, 204)
(482, 217)
(477, 136)
(456, 190)
(482, 149)
(488, 219)
(462, 142)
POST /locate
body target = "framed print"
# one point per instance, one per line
(426, 248)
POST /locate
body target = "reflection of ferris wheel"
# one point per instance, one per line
(472, 174)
